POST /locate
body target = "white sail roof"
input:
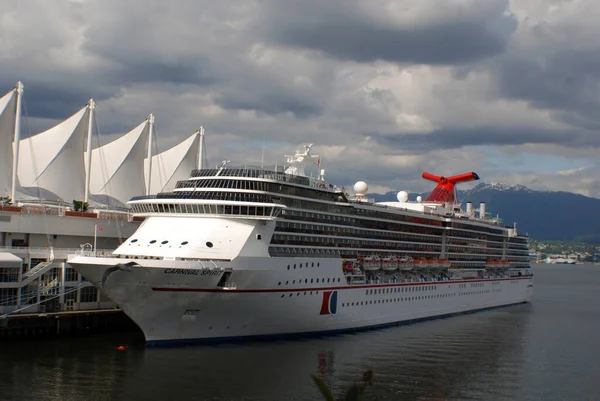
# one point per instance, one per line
(7, 131)
(174, 164)
(117, 172)
(51, 164)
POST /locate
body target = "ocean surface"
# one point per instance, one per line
(548, 349)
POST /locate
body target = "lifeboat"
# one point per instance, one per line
(372, 263)
(389, 263)
(405, 263)
(421, 263)
(445, 263)
(434, 263)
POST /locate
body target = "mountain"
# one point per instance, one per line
(542, 214)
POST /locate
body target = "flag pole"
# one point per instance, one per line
(95, 234)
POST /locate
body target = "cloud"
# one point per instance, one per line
(385, 89)
(455, 33)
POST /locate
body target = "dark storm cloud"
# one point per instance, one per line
(479, 136)
(55, 100)
(341, 30)
(177, 72)
(565, 80)
(271, 103)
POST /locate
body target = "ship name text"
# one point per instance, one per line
(193, 272)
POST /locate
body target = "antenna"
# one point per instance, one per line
(262, 159)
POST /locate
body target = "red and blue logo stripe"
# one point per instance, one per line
(329, 305)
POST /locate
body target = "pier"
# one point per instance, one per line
(43, 325)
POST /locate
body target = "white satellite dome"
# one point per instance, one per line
(419, 199)
(402, 196)
(361, 188)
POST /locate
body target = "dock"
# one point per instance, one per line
(68, 323)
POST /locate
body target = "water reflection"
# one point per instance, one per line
(443, 359)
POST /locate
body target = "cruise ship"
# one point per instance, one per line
(255, 251)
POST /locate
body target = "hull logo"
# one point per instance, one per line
(329, 305)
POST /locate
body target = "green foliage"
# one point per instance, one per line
(352, 392)
(6, 200)
(80, 206)
(567, 247)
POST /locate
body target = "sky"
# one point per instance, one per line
(384, 89)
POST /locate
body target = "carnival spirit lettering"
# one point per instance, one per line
(193, 272)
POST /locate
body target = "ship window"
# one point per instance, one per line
(134, 240)
(209, 244)
(153, 241)
(164, 242)
(288, 267)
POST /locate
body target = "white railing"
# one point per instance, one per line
(39, 267)
(59, 253)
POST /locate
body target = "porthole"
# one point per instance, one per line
(134, 241)
(209, 244)
(288, 267)
(301, 265)
(294, 266)
(184, 243)
(318, 264)
(153, 241)
(164, 242)
(312, 264)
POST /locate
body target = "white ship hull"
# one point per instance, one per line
(177, 301)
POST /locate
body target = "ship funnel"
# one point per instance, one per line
(482, 210)
(445, 191)
(469, 208)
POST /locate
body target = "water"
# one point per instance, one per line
(546, 350)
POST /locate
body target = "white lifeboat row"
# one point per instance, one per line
(391, 263)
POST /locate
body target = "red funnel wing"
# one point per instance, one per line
(445, 190)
